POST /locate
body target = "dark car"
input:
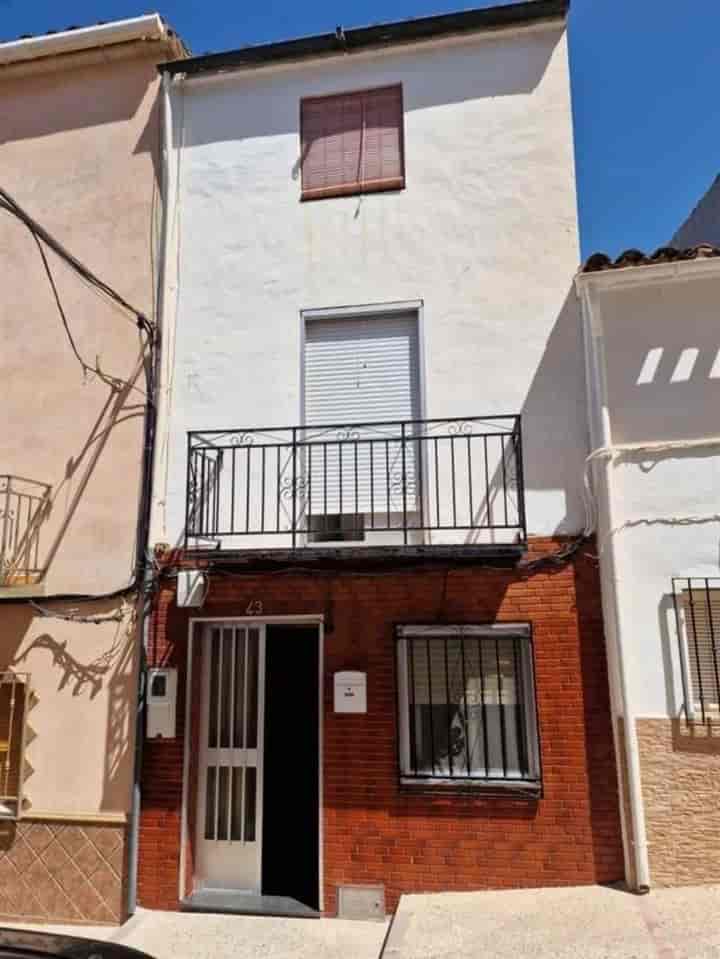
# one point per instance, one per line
(21, 944)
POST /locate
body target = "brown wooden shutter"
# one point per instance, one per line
(352, 143)
(702, 627)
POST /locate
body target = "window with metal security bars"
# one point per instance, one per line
(14, 695)
(352, 143)
(467, 706)
(697, 606)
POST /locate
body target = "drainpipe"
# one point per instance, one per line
(166, 323)
(160, 416)
(601, 438)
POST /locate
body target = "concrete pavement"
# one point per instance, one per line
(177, 935)
(572, 923)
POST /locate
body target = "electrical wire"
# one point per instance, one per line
(8, 203)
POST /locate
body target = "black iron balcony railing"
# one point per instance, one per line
(24, 505)
(415, 482)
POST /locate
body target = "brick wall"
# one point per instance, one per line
(376, 831)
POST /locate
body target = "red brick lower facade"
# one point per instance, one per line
(377, 831)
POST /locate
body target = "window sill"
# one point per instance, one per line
(354, 189)
(507, 789)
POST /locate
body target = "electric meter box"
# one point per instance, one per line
(350, 692)
(161, 703)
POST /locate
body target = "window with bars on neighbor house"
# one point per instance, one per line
(697, 604)
(352, 143)
(467, 705)
(14, 695)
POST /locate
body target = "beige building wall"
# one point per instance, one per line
(79, 150)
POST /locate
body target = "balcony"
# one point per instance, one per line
(24, 506)
(413, 485)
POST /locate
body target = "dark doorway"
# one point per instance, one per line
(291, 756)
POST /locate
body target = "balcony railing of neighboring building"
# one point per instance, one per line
(24, 505)
(697, 610)
(416, 482)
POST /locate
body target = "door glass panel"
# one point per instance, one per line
(213, 696)
(252, 688)
(225, 683)
(237, 797)
(210, 803)
(239, 673)
(224, 802)
(250, 793)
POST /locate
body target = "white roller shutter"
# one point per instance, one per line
(361, 370)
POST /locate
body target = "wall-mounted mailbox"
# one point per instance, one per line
(350, 692)
(161, 703)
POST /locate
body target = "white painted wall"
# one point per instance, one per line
(657, 329)
(484, 234)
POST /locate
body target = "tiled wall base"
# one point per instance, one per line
(69, 872)
(680, 768)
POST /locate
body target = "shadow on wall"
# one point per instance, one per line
(554, 423)
(83, 680)
(85, 97)
(597, 723)
(670, 653)
(663, 351)
(498, 69)
(30, 556)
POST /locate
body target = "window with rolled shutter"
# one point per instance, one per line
(361, 371)
(352, 143)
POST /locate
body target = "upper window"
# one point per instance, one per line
(352, 143)
(467, 705)
(13, 702)
(361, 384)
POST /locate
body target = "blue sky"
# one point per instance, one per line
(644, 72)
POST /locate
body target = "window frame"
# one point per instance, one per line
(530, 786)
(357, 187)
(6, 802)
(687, 606)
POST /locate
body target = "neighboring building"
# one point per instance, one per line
(654, 391)
(376, 692)
(703, 224)
(80, 153)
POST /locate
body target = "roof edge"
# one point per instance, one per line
(634, 259)
(380, 35)
(150, 27)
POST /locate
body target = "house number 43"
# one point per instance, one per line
(254, 608)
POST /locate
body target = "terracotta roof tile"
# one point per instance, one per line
(665, 254)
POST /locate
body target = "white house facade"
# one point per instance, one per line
(653, 389)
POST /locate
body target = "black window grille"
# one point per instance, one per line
(697, 609)
(467, 705)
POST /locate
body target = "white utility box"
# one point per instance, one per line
(161, 703)
(350, 692)
(191, 587)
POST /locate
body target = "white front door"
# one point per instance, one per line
(229, 805)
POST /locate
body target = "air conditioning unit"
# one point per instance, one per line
(192, 587)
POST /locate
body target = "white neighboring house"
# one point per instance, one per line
(653, 360)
